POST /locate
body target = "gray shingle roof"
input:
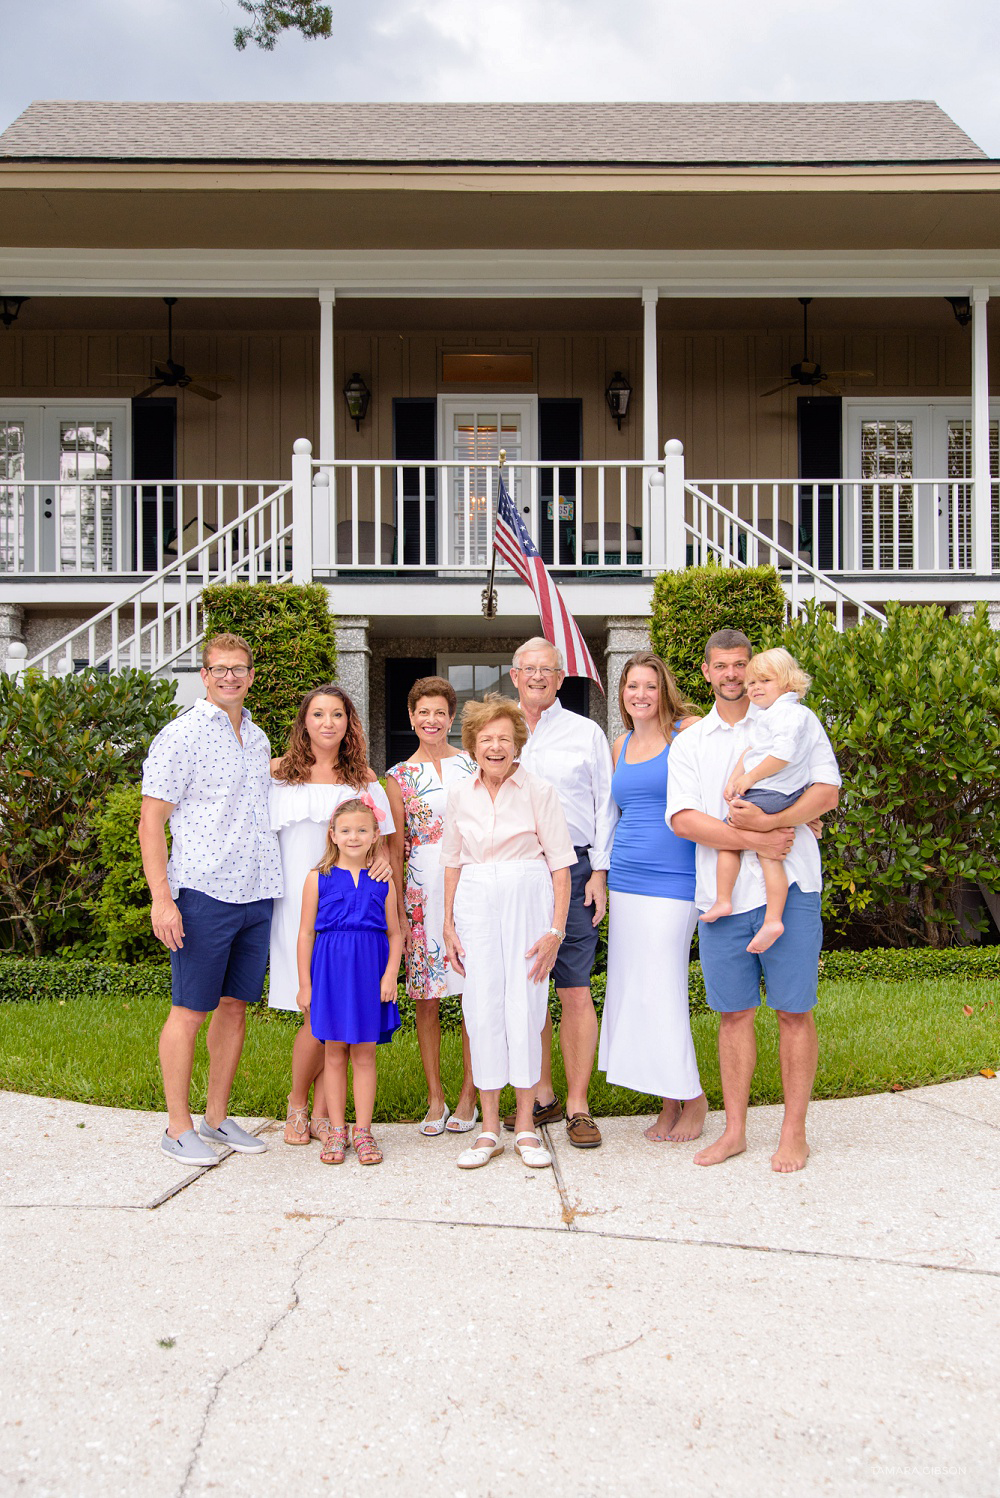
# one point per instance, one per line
(544, 134)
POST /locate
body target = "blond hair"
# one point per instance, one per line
(782, 667)
(225, 641)
(478, 715)
(670, 704)
(331, 854)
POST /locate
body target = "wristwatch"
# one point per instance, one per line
(554, 931)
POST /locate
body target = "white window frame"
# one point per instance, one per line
(478, 658)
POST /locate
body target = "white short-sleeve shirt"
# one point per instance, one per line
(702, 759)
(221, 838)
(786, 730)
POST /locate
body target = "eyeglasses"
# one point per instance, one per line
(219, 673)
(538, 670)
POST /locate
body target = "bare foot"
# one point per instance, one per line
(723, 1149)
(659, 1130)
(714, 912)
(766, 936)
(690, 1121)
(791, 1154)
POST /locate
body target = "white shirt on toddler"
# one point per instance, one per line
(786, 730)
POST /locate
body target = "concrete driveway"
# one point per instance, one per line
(626, 1324)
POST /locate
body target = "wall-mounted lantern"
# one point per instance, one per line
(618, 394)
(10, 306)
(962, 308)
(357, 395)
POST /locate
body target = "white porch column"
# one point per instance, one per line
(327, 393)
(650, 389)
(982, 503)
(353, 655)
(302, 511)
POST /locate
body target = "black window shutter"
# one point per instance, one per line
(820, 457)
(154, 458)
(414, 440)
(400, 674)
(560, 440)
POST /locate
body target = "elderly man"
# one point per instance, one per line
(572, 754)
(208, 774)
(701, 762)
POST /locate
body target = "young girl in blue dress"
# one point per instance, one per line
(349, 951)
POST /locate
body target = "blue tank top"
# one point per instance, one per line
(647, 859)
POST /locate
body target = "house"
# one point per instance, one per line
(290, 341)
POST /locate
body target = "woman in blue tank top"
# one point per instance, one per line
(646, 1029)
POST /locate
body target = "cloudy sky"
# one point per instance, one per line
(518, 49)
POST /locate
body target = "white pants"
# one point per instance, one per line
(646, 1028)
(501, 909)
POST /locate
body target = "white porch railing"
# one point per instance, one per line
(116, 528)
(160, 621)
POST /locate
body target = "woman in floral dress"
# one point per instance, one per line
(418, 791)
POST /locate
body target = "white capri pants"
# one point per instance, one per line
(501, 909)
(646, 1027)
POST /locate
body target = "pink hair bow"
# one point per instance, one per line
(376, 811)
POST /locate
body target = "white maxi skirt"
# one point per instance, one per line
(646, 1028)
(501, 909)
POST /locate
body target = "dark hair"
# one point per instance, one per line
(225, 641)
(671, 705)
(432, 686)
(727, 639)
(352, 755)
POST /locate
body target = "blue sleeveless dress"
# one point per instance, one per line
(349, 957)
(647, 859)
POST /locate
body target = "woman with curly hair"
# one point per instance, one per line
(325, 762)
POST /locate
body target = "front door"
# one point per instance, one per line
(474, 429)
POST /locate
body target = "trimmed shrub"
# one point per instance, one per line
(291, 632)
(122, 908)
(913, 713)
(689, 606)
(65, 744)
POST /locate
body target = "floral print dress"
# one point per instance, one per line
(428, 972)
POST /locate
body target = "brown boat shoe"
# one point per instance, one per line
(541, 1113)
(582, 1132)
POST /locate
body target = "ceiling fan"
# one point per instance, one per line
(173, 376)
(808, 373)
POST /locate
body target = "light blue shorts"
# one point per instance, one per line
(790, 968)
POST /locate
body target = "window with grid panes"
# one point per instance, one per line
(959, 516)
(11, 509)
(85, 504)
(477, 437)
(886, 511)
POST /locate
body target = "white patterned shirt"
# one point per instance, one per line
(572, 754)
(221, 838)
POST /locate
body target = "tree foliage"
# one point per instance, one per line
(689, 606)
(291, 632)
(269, 20)
(913, 712)
(65, 744)
(121, 909)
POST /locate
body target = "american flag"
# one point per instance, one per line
(558, 625)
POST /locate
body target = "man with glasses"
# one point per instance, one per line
(572, 754)
(208, 773)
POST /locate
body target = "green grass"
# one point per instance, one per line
(873, 1036)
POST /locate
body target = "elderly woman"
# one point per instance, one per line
(507, 853)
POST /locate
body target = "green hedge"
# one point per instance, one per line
(26, 979)
(689, 606)
(292, 634)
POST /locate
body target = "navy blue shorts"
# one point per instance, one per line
(575, 962)
(772, 801)
(224, 952)
(790, 968)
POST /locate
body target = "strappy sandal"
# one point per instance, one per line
(533, 1154)
(297, 1125)
(480, 1154)
(365, 1148)
(335, 1147)
(321, 1129)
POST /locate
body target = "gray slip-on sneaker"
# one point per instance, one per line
(230, 1133)
(188, 1149)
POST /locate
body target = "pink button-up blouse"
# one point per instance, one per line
(525, 821)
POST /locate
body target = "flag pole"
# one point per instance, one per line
(489, 592)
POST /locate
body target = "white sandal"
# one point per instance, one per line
(432, 1127)
(480, 1154)
(456, 1125)
(532, 1154)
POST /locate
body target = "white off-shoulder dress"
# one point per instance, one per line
(300, 815)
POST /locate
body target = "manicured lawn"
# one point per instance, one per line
(873, 1035)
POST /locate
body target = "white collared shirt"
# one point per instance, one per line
(572, 754)
(523, 821)
(702, 759)
(784, 730)
(221, 838)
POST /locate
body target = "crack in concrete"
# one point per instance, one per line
(226, 1373)
(951, 1112)
(569, 1210)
